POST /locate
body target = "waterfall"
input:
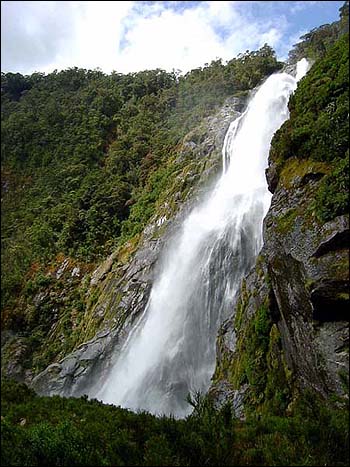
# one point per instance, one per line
(171, 350)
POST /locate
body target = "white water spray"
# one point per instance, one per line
(171, 350)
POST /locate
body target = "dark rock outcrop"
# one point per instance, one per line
(303, 270)
(308, 264)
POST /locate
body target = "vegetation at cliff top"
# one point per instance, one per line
(55, 431)
(315, 44)
(318, 127)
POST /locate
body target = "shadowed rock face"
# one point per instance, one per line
(303, 274)
(301, 280)
(308, 264)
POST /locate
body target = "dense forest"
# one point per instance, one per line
(86, 157)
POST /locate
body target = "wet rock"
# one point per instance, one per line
(40, 298)
(13, 356)
(272, 176)
(230, 339)
(308, 265)
(337, 240)
(305, 264)
(103, 269)
(62, 268)
(75, 272)
(223, 393)
(296, 323)
(332, 340)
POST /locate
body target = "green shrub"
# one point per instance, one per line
(332, 197)
(80, 432)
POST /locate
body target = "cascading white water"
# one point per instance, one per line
(171, 350)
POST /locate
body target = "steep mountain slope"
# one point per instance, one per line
(121, 285)
(290, 324)
(282, 356)
(86, 161)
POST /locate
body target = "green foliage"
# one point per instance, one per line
(65, 189)
(332, 198)
(315, 43)
(278, 388)
(318, 126)
(258, 360)
(318, 129)
(255, 365)
(86, 157)
(13, 392)
(42, 431)
(286, 222)
(250, 364)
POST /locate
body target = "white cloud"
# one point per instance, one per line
(130, 36)
(169, 40)
(187, 39)
(30, 35)
(42, 36)
(97, 32)
(300, 6)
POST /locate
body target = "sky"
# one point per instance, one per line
(130, 36)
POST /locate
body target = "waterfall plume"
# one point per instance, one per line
(171, 350)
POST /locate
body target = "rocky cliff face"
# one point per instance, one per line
(289, 329)
(121, 285)
(308, 264)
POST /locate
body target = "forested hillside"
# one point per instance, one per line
(87, 160)
(85, 156)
